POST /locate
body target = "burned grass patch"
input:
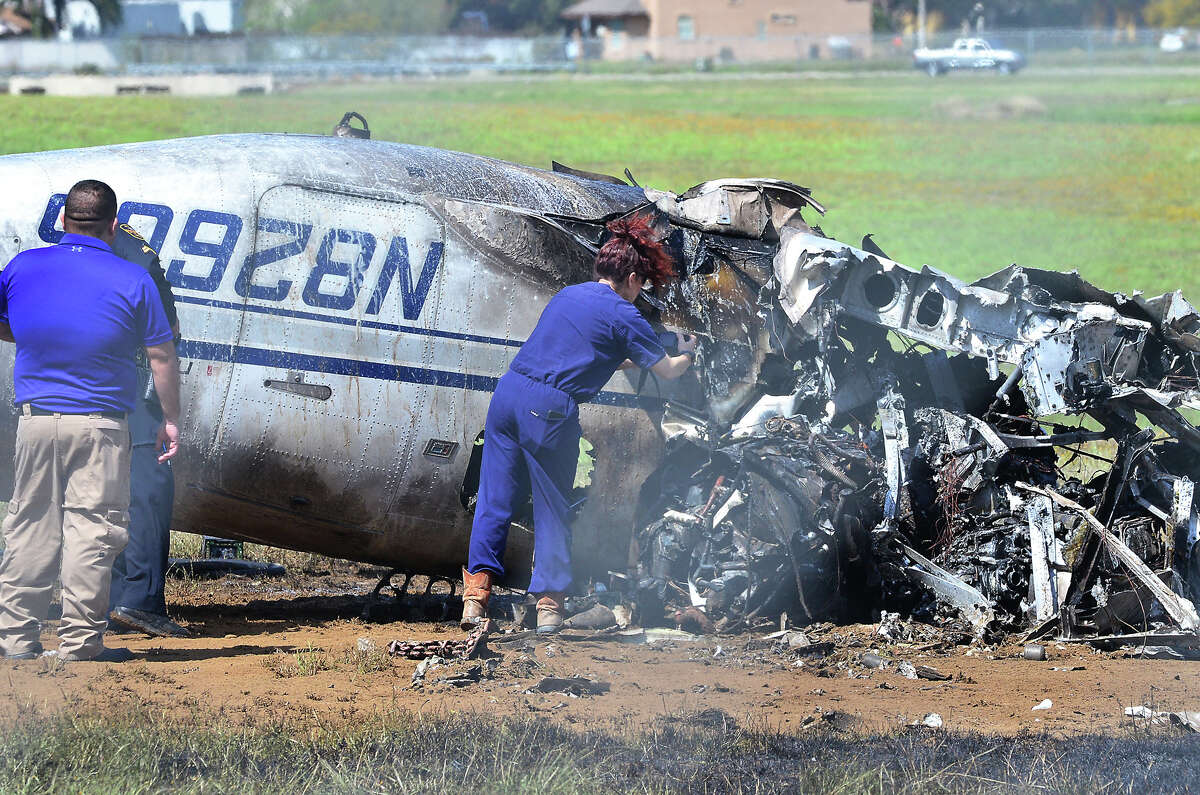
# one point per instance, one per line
(137, 751)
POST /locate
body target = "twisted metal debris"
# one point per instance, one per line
(464, 649)
(1010, 455)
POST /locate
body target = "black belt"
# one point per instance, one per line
(108, 415)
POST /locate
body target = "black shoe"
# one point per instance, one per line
(106, 655)
(155, 624)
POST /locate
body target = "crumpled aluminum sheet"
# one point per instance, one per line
(971, 455)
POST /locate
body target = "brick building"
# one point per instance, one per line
(738, 30)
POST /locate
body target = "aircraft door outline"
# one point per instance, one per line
(328, 367)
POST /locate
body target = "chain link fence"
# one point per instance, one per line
(332, 56)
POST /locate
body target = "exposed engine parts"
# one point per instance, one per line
(1010, 455)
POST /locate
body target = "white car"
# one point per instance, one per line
(1175, 41)
(967, 54)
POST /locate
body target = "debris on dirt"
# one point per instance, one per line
(691, 619)
(1146, 716)
(212, 568)
(873, 442)
(910, 671)
(573, 685)
(891, 628)
(472, 674)
(796, 640)
(1044, 704)
(469, 677)
(706, 718)
(930, 673)
(1034, 651)
(465, 648)
(656, 635)
(596, 617)
(1162, 653)
(932, 721)
(423, 668)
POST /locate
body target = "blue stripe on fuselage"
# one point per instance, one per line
(240, 354)
(344, 321)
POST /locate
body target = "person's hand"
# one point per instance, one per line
(686, 342)
(168, 440)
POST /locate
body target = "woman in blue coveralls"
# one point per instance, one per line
(531, 439)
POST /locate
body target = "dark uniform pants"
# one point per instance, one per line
(140, 571)
(530, 443)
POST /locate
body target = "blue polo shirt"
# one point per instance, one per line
(582, 337)
(79, 313)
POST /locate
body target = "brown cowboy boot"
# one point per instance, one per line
(477, 588)
(550, 612)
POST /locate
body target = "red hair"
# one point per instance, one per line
(633, 249)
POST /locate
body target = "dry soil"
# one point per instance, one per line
(286, 649)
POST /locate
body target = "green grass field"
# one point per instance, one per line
(1103, 175)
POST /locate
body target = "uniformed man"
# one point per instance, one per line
(77, 313)
(139, 572)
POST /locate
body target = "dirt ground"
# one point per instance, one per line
(287, 649)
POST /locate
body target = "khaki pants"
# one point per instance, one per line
(70, 499)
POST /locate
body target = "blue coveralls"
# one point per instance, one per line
(531, 438)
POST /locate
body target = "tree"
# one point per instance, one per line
(1022, 13)
(347, 16)
(401, 16)
(49, 16)
(1173, 13)
(1112, 13)
(110, 13)
(527, 16)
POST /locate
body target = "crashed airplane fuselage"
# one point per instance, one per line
(857, 435)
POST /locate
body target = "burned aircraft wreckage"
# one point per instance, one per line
(1003, 456)
(857, 436)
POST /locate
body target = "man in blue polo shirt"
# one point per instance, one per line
(77, 313)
